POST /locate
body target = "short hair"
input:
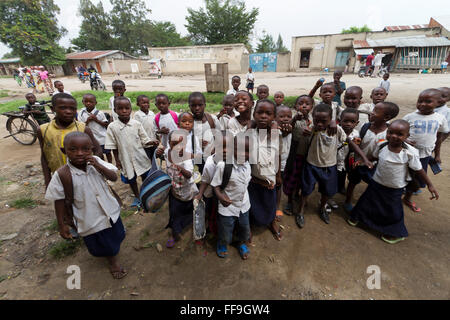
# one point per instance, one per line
(89, 95)
(432, 91)
(118, 83)
(266, 101)
(60, 96)
(228, 96)
(139, 98)
(378, 88)
(182, 114)
(196, 94)
(386, 74)
(283, 107)
(29, 94)
(328, 84)
(304, 96)
(392, 109)
(358, 88)
(403, 122)
(261, 86)
(322, 107)
(349, 110)
(162, 95)
(245, 92)
(337, 72)
(278, 92)
(54, 83)
(118, 99)
(235, 77)
(75, 134)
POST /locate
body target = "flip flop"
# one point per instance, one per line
(170, 243)
(136, 203)
(119, 274)
(352, 223)
(412, 205)
(243, 251)
(222, 251)
(278, 215)
(288, 209)
(393, 241)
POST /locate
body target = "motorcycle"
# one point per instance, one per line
(383, 70)
(83, 76)
(362, 71)
(96, 82)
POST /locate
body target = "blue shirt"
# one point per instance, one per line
(337, 97)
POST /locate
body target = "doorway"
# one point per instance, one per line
(304, 58)
(341, 58)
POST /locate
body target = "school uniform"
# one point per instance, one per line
(95, 209)
(321, 163)
(235, 127)
(205, 132)
(111, 106)
(385, 84)
(445, 111)
(141, 115)
(423, 131)
(129, 139)
(380, 206)
(224, 120)
(232, 91)
(337, 97)
(364, 111)
(238, 211)
(147, 121)
(98, 130)
(211, 202)
(265, 165)
(250, 77)
(183, 190)
(336, 110)
(368, 145)
(343, 161)
(165, 121)
(296, 160)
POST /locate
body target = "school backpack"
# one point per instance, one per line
(66, 179)
(364, 129)
(172, 113)
(155, 188)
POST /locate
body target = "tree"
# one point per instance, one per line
(164, 34)
(30, 29)
(9, 55)
(280, 45)
(354, 29)
(221, 21)
(266, 44)
(95, 31)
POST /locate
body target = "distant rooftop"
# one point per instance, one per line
(92, 55)
(410, 27)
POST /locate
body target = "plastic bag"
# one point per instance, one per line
(199, 217)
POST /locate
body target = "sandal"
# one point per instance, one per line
(288, 209)
(243, 251)
(136, 203)
(351, 222)
(393, 240)
(412, 205)
(278, 215)
(170, 243)
(276, 233)
(119, 274)
(222, 251)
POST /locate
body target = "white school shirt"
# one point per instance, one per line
(140, 116)
(129, 139)
(94, 204)
(224, 120)
(198, 147)
(336, 110)
(111, 106)
(203, 131)
(286, 147)
(147, 123)
(231, 91)
(250, 76)
(265, 156)
(423, 130)
(370, 143)
(236, 189)
(323, 148)
(64, 91)
(364, 109)
(445, 111)
(385, 84)
(235, 127)
(344, 149)
(208, 174)
(98, 130)
(165, 121)
(183, 189)
(392, 168)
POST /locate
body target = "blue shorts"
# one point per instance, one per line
(424, 161)
(133, 180)
(105, 151)
(326, 177)
(360, 173)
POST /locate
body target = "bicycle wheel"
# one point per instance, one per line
(23, 130)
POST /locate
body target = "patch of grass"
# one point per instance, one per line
(130, 224)
(53, 227)
(145, 235)
(126, 213)
(64, 248)
(24, 203)
(3, 277)
(4, 93)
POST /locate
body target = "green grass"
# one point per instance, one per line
(126, 213)
(179, 100)
(53, 226)
(3, 93)
(24, 203)
(64, 248)
(3, 277)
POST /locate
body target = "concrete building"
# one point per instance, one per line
(108, 61)
(8, 65)
(191, 59)
(400, 43)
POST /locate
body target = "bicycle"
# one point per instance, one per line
(22, 125)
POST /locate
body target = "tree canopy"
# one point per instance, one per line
(30, 29)
(221, 22)
(266, 44)
(354, 29)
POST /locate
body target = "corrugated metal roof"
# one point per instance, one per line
(414, 41)
(92, 55)
(363, 52)
(360, 44)
(410, 27)
(11, 60)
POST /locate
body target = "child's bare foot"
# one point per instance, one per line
(276, 230)
(116, 270)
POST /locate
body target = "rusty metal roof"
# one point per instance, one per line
(410, 27)
(400, 42)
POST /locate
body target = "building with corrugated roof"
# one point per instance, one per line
(405, 47)
(8, 65)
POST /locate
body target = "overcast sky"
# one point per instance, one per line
(287, 17)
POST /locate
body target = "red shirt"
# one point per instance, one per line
(369, 60)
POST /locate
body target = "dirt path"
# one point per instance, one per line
(318, 262)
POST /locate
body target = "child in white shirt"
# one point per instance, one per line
(250, 77)
(146, 117)
(235, 83)
(165, 122)
(227, 113)
(385, 82)
(445, 111)
(83, 200)
(118, 87)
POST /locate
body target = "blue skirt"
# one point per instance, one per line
(381, 209)
(263, 204)
(180, 214)
(106, 243)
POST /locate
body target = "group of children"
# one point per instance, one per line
(246, 155)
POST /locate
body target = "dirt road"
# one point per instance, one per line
(318, 262)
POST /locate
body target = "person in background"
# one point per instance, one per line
(278, 98)
(445, 111)
(385, 82)
(235, 83)
(37, 109)
(44, 75)
(250, 80)
(369, 62)
(118, 87)
(339, 86)
(377, 61)
(60, 87)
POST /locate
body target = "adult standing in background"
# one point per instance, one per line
(377, 60)
(44, 75)
(369, 62)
